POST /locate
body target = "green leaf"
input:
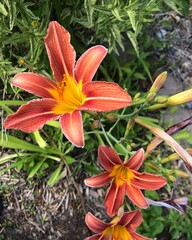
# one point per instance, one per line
(54, 124)
(54, 176)
(13, 165)
(9, 141)
(149, 121)
(121, 149)
(132, 15)
(157, 227)
(16, 143)
(89, 10)
(115, 12)
(7, 109)
(36, 168)
(117, 36)
(134, 42)
(15, 38)
(172, 4)
(184, 134)
(57, 175)
(12, 14)
(3, 10)
(9, 157)
(69, 160)
(25, 12)
(39, 140)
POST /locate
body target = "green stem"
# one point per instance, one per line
(105, 134)
(12, 102)
(100, 140)
(116, 121)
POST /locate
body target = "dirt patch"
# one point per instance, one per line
(37, 211)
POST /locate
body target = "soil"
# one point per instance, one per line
(30, 211)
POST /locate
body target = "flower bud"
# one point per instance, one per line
(158, 83)
(181, 174)
(172, 178)
(111, 117)
(21, 61)
(180, 98)
(128, 147)
(152, 166)
(151, 96)
(34, 24)
(136, 97)
(96, 124)
(161, 99)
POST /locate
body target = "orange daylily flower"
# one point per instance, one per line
(71, 92)
(120, 228)
(124, 178)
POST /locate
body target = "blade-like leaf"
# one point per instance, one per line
(16, 143)
(36, 168)
(7, 158)
(55, 176)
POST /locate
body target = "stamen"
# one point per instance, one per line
(122, 174)
(69, 94)
(61, 86)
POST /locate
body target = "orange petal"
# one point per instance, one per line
(104, 96)
(88, 63)
(148, 181)
(108, 158)
(60, 52)
(131, 220)
(136, 160)
(34, 83)
(136, 196)
(114, 198)
(99, 180)
(72, 127)
(96, 225)
(32, 116)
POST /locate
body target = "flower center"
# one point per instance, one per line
(117, 232)
(122, 174)
(68, 94)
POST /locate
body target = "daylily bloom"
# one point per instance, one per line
(124, 178)
(120, 228)
(71, 92)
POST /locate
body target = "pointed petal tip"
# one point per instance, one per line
(95, 224)
(60, 51)
(34, 83)
(114, 198)
(98, 181)
(136, 160)
(89, 62)
(32, 115)
(72, 128)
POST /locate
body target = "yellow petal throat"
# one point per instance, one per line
(117, 232)
(68, 94)
(122, 174)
